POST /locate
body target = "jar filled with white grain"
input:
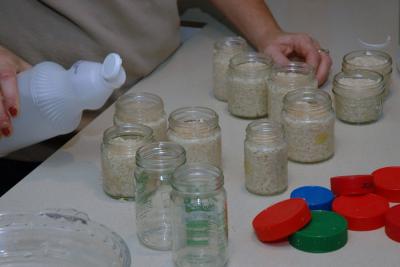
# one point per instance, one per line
(248, 85)
(224, 50)
(118, 151)
(144, 108)
(358, 96)
(197, 130)
(375, 60)
(287, 78)
(265, 158)
(308, 120)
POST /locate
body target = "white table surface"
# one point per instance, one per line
(71, 178)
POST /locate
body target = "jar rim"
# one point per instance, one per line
(306, 100)
(377, 87)
(160, 155)
(264, 130)
(368, 52)
(231, 42)
(144, 101)
(197, 178)
(195, 117)
(138, 131)
(294, 67)
(250, 57)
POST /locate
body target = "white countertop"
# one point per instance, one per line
(71, 178)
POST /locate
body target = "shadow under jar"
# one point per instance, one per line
(118, 156)
(308, 120)
(144, 108)
(358, 96)
(155, 165)
(224, 50)
(287, 78)
(265, 158)
(198, 131)
(374, 60)
(248, 85)
(199, 215)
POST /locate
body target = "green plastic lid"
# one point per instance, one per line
(326, 232)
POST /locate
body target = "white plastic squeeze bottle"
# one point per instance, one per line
(52, 99)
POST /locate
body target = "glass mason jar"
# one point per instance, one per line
(375, 60)
(224, 50)
(199, 216)
(308, 120)
(358, 96)
(155, 164)
(287, 78)
(265, 158)
(143, 108)
(198, 131)
(247, 85)
(118, 151)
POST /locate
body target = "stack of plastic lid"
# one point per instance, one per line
(364, 200)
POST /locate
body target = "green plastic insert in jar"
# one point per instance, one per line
(326, 232)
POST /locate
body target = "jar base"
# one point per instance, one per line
(120, 197)
(267, 194)
(151, 239)
(198, 257)
(311, 162)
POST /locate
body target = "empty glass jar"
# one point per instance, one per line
(375, 60)
(284, 79)
(358, 96)
(198, 131)
(248, 85)
(155, 164)
(144, 108)
(265, 158)
(118, 151)
(224, 50)
(308, 119)
(199, 217)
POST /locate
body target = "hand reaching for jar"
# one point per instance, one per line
(10, 66)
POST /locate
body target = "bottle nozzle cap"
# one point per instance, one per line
(112, 66)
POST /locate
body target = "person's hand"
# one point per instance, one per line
(10, 66)
(282, 46)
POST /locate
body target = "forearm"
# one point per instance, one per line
(252, 18)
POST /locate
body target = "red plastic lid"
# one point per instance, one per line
(392, 219)
(352, 185)
(362, 212)
(387, 182)
(281, 219)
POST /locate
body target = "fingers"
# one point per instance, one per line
(305, 46)
(276, 53)
(9, 91)
(323, 68)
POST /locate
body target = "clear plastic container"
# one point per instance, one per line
(118, 156)
(248, 85)
(265, 158)
(199, 212)
(374, 60)
(224, 50)
(198, 131)
(155, 164)
(358, 96)
(284, 79)
(309, 120)
(59, 238)
(144, 108)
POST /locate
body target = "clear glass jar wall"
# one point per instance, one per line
(358, 96)
(198, 131)
(144, 108)
(224, 50)
(199, 212)
(374, 60)
(248, 85)
(265, 158)
(308, 120)
(118, 151)
(284, 79)
(155, 164)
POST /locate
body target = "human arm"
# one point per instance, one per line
(10, 66)
(256, 22)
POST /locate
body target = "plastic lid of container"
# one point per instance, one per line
(362, 212)
(326, 232)
(392, 223)
(352, 184)
(281, 219)
(387, 182)
(317, 197)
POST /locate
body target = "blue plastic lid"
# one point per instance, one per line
(317, 197)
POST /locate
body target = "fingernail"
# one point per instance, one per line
(6, 131)
(13, 111)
